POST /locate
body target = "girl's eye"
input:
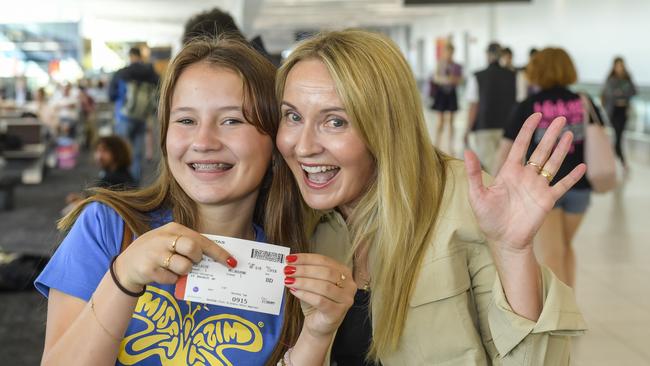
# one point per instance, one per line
(185, 121)
(232, 121)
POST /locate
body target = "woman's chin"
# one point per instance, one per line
(320, 202)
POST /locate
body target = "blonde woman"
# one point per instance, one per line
(441, 255)
(110, 300)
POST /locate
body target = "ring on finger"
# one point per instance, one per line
(535, 165)
(174, 243)
(339, 283)
(544, 173)
(167, 261)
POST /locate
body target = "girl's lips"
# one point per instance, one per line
(209, 171)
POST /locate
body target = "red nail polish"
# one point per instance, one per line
(289, 280)
(292, 289)
(232, 262)
(289, 270)
(292, 258)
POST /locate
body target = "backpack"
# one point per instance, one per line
(139, 103)
(19, 271)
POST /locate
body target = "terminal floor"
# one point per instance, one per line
(612, 247)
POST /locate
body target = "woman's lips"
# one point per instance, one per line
(319, 176)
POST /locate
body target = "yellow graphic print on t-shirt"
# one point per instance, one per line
(180, 341)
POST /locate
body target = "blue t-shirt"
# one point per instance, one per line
(163, 330)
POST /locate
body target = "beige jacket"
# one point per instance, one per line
(458, 312)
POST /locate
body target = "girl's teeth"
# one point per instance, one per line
(217, 166)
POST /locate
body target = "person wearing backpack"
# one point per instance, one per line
(133, 90)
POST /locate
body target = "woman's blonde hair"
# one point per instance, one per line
(396, 215)
(550, 68)
(260, 108)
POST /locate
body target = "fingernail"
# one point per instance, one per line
(292, 258)
(232, 262)
(289, 270)
(292, 289)
(289, 280)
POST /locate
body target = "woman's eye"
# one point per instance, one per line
(292, 117)
(337, 122)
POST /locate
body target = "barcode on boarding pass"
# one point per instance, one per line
(267, 256)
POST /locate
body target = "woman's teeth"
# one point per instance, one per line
(211, 166)
(318, 169)
(320, 174)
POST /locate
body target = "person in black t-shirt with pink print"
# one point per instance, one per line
(553, 71)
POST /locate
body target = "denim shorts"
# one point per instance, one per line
(575, 201)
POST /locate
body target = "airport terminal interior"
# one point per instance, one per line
(59, 63)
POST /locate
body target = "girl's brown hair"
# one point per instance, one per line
(261, 109)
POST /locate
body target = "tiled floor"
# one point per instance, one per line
(613, 266)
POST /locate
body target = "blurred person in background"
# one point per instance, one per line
(553, 71)
(113, 157)
(22, 94)
(506, 59)
(524, 88)
(615, 97)
(41, 109)
(446, 78)
(216, 22)
(87, 115)
(98, 91)
(491, 94)
(66, 103)
(133, 89)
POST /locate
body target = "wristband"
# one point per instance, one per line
(119, 285)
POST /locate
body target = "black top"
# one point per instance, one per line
(497, 96)
(354, 335)
(553, 103)
(118, 179)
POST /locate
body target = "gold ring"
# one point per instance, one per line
(174, 243)
(547, 175)
(537, 166)
(339, 284)
(167, 260)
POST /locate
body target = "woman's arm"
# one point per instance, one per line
(512, 209)
(511, 340)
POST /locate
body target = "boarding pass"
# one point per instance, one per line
(256, 284)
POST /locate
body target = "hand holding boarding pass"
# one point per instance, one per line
(255, 284)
